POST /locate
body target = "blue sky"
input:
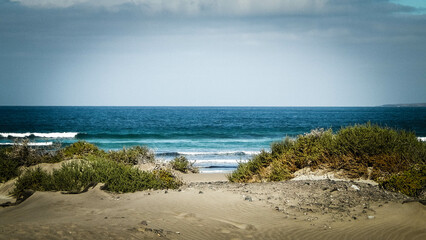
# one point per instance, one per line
(212, 52)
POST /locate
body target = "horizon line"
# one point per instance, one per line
(212, 106)
(187, 106)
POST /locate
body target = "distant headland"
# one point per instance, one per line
(405, 105)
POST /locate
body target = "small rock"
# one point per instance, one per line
(353, 217)
(370, 217)
(166, 191)
(355, 187)
(248, 198)
(145, 223)
(200, 192)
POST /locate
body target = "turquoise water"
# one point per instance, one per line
(215, 137)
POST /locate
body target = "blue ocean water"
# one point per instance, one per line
(215, 137)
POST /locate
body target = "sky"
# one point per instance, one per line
(212, 52)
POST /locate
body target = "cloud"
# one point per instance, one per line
(229, 7)
(327, 46)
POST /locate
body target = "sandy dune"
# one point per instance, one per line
(216, 210)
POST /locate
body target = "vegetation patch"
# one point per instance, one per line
(73, 177)
(22, 155)
(114, 168)
(182, 164)
(133, 156)
(81, 149)
(410, 182)
(389, 156)
(9, 168)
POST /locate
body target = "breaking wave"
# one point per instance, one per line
(40, 135)
(29, 144)
(230, 153)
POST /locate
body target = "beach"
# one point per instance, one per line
(207, 206)
(218, 119)
(312, 205)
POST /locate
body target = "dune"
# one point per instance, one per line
(209, 207)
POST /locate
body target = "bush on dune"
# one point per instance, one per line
(251, 171)
(9, 168)
(75, 176)
(182, 164)
(23, 155)
(81, 149)
(114, 168)
(410, 182)
(133, 156)
(382, 154)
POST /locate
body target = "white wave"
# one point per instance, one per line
(206, 170)
(220, 161)
(197, 141)
(220, 153)
(423, 139)
(42, 135)
(29, 144)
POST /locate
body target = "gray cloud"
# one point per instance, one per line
(335, 52)
(229, 7)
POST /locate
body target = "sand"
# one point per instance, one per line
(209, 207)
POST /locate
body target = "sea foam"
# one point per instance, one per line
(238, 153)
(29, 144)
(41, 135)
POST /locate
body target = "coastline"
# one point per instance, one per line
(207, 206)
(279, 194)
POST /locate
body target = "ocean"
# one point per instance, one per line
(217, 138)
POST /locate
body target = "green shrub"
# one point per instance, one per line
(166, 179)
(9, 168)
(24, 154)
(278, 148)
(364, 141)
(279, 171)
(133, 156)
(182, 164)
(410, 182)
(250, 170)
(34, 179)
(21, 154)
(81, 149)
(75, 176)
(362, 151)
